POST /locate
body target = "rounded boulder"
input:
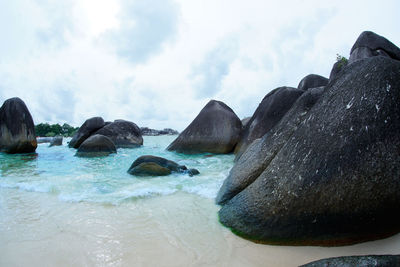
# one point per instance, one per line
(216, 129)
(17, 131)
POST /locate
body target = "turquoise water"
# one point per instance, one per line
(56, 170)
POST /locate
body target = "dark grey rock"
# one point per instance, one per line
(157, 166)
(261, 152)
(17, 131)
(42, 140)
(245, 121)
(270, 111)
(124, 134)
(370, 44)
(216, 129)
(193, 172)
(358, 261)
(335, 179)
(149, 169)
(337, 69)
(96, 145)
(87, 129)
(312, 81)
(56, 141)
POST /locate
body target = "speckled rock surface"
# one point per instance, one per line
(335, 179)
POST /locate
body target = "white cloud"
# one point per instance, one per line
(158, 63)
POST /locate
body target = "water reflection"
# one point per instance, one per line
(21, 164)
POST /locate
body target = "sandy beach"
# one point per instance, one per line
(176, 230)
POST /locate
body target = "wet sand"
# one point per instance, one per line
(37, 229)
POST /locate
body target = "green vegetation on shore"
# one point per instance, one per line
(50, 130)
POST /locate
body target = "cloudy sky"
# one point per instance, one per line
(158, 62)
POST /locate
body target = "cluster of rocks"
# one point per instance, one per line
(97, 138)
(152, 132)
(319, 165)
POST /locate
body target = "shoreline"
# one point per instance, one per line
(39, 229)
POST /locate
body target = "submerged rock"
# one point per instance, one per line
(215, 130)
(124, 134)
(96, 145)
(312, 81)
(156, 166)
(352, 261)
(17, 131)
(270, 111)
(332, 178)
(87, 129)
(56, 141)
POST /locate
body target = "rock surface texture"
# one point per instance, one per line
(216, 129)
(124, 134)
(17, 131)
(312, 81)
(370, 44)
(329, 176)
(361, 261)
(87, 129)
(96, 145)
(270, 111)
(156, 166)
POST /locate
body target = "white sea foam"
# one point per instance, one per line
(105, 180)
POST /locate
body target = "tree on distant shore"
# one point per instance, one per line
(50, 130)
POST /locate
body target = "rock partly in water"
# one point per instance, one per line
(216, 129)
(363, 261)
(370, 44)
(42, 140)
(87, 129)
(56, 141)
(312, 81)
(95, 146)
(156, 166)
(17, 131)
(124, 134)
(335, 179)
(270, 111)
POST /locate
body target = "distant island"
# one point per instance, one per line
(66, 130)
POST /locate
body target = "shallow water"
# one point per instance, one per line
(60, 210)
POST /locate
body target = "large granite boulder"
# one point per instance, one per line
(370, 44)
(87, 129)
(334, 178)
(95, 146)
(124, 134)
(216, 129)
(360, 261)
(260, 153)
(270, 111)
(312, 81)
(156, 166)
(17, 131)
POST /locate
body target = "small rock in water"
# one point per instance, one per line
(156, 166)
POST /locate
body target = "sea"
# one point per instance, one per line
(57, 209)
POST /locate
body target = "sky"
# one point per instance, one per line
(158, 62)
